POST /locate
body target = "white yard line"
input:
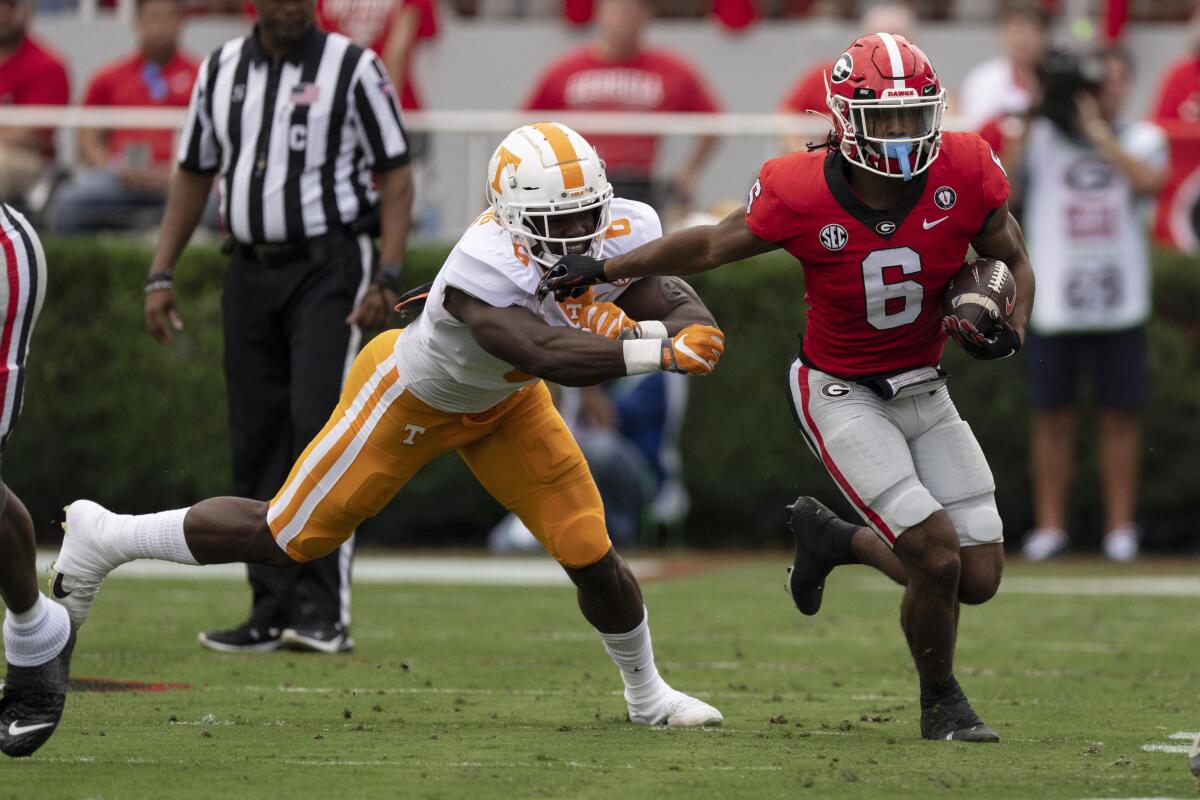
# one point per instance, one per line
(1185, 735)
(1166, 748)
(481, 570)
(1132, 585)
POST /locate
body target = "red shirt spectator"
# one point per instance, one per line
(371, 23)
(34, 75)
(808, 92)
(651, 80)
(1179, 96)
(136, 81)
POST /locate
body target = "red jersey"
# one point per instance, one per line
(874, 279)
(369, 23)
(134, 81)
(653, 80)
(34, 76)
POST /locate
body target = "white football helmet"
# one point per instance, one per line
(543, 171)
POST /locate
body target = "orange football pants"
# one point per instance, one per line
(380, 435)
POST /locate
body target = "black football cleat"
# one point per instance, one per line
(953, 719)
(33, 703)
(816, 553)
(249, 637)
(318, 637)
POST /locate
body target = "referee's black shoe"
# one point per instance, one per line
(249, 637)
(318, 637)
(33, 703)
(822, 543)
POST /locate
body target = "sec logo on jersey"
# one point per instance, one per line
(945, 198)
(834, 237)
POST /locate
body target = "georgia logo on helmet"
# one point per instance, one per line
(540, 174)
(887, 105)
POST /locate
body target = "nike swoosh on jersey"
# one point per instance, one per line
(18, 730)
(927, 224)
(58, 587)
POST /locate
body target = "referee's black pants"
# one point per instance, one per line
(287, 349)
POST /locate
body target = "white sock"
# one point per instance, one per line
(37, 635)
(158, 536)
(633, 654)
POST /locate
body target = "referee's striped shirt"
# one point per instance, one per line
(295, 140)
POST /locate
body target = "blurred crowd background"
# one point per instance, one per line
(745, 72)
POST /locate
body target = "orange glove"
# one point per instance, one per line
(605, 319)
(695, 350)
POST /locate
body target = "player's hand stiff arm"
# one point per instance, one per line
(1001, 238)
(690, 342)
(685, 252)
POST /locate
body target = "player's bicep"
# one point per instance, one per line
(669, 300)
(732, 240)
(512, 334)
(1001, 238)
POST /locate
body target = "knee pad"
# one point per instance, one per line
(977, 520)
(904, 505)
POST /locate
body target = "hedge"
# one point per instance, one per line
(111, 415)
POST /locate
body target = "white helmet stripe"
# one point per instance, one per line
(893, 51)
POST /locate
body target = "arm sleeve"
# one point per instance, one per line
(199, 150)
(546, 95)
(697, 96)
(97, 93)
(993, 183)
(768, 215)
(483, 281)
(377, 116)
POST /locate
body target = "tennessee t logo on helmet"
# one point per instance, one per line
(887, 105)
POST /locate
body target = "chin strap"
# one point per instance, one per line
(900, 151)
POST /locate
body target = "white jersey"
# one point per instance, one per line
(441, 362)
(1086, 230)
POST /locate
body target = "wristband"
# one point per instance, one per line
(643, 355)
(651, 329)
(157, 281)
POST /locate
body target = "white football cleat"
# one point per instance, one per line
(1194, 757)
(678, 710)
(85, 559)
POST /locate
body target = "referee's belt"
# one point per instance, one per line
(279, 254)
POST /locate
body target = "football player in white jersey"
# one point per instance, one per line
(466, 375)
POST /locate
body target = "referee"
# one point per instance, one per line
(303, 129)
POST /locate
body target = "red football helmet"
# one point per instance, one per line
(887, 104)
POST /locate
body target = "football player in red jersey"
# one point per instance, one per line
(881, 223)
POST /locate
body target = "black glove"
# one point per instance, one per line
(571, 276)
(1001, 342)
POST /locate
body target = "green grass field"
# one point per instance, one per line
(498, 691)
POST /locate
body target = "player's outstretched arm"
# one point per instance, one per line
(1002, 239)
(572, 357)
(186, 199)
(684, 252)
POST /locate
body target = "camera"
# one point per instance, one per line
(1063, 74)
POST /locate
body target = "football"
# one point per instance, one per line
(982, 293)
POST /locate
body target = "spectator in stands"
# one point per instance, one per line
(1177, 111)
(1001, 86)
(1086, 178)
(123, 182)
(618, 72)
(808, 92)
(392, 28)
(30, 74)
